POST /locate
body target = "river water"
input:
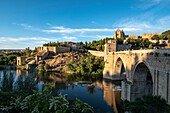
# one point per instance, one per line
(102, 95)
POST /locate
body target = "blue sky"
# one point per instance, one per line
(30, 23)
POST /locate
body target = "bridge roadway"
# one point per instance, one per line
(141, 72)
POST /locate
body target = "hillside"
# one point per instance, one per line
(58, 62)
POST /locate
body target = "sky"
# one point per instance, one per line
(31, 23)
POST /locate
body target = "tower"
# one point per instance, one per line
(119, 34)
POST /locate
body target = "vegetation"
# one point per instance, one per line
(138, 43)
(166, 35)
(96, 45)
(89, 65)
(156, 37)
(9, 58)
(57, 44)
(22, 97)
(147, 104)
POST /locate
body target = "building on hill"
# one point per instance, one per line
(119, 34)
(21, 60)
(53, 49)
(75, 46)
(65, 47)
(149, 36)
(113, 46)
(133, 36)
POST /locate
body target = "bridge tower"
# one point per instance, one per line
(109, 50)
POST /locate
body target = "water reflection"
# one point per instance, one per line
(55, 80)
(112, 94)
(103, 95)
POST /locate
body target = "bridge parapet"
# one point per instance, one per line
(96, 53)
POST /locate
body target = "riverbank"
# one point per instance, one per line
(58, 63)
(9, 67)
(73, 63)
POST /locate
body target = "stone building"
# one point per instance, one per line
(133, 36)
(21, 60)
(149, 36)
(119, 34)
(62, 49)
(75, 46)
(53, 49)
(112, 46)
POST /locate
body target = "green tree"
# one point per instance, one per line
(157, 38)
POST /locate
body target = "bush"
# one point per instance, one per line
(147, 104)
(88, 65)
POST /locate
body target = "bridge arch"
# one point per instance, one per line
(142, 80)
(120, 69)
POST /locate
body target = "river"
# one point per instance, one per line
(102, 95)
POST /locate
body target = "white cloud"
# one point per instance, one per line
(23, 42)
(103, 36)
(96, 37)
(26, 26)
(143, 26)
(61, 29)
(145, 4)
(165, 21)
(69, 38)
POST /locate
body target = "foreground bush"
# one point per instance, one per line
(44, 102)
(147, 104)
(22, 97)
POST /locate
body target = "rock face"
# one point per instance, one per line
(58, 62)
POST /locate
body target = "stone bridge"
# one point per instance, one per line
(141, 72)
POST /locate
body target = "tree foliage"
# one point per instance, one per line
(166, 35)
(88, 65)
(138, 43)
(8, 58)
(56, 44)
(96, 44)
(156, 37)
(147, 104)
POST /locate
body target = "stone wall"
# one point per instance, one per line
(46, 48)
(63, 49)
(21, 60)
(53, 49)
(122, 47)
(96, 53)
